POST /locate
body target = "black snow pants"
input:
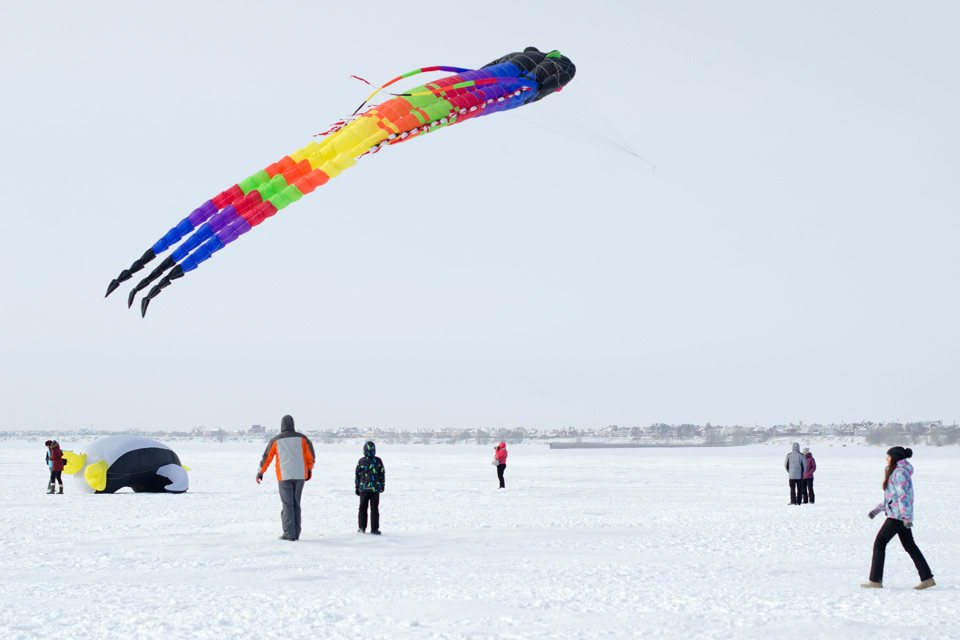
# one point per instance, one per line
(290, 492)
(893, 527)
(796, 490)
(808, 490)
(500, 469)
(371, 498)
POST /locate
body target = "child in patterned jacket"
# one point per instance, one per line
(370, 480)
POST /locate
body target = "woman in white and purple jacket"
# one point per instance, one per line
(898, 506)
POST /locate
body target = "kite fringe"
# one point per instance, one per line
(336, 126)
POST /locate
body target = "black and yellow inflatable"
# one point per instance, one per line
(115, 462)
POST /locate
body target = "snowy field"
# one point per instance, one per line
(636, 543)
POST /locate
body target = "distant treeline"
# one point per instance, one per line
(929, 433)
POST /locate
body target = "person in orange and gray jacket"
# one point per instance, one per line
(295, 458)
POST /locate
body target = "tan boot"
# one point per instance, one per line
(872, 585)
(926, 584)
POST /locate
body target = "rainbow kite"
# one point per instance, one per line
(509, 82)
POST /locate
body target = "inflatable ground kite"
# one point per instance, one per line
(115, 462)
(506, 83)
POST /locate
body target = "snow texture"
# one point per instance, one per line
(636, 543)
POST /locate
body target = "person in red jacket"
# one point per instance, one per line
(500, 459)
(55, 464)
(807, 492)
(295, 458)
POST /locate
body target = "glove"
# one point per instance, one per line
(259, 477)
(309, 474)
(908, 525)
(357, 491)
(873, 514)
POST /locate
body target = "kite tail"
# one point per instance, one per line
(197, 217)
(232, 222)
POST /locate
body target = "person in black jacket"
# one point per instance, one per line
(370, 480)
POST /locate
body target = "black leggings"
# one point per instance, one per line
(808, 490)
(55, 477)
(890, 528)
(500, 468)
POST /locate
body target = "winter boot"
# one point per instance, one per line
(926, 584)
(61, 490)
(50, 488)
(873, 585)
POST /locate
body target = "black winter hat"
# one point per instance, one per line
(286, 423)
(899, 453)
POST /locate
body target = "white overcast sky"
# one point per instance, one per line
(792, 257)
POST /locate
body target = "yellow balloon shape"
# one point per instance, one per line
(96, 475)
(73, 462)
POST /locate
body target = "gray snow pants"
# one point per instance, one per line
(290, 491)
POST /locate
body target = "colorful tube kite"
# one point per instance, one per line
(509, 82)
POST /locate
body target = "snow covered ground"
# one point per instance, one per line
(649, 543)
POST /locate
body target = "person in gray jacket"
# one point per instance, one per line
(795, 464)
